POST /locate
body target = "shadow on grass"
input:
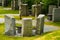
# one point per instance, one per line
(46, 33)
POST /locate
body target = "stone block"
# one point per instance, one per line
(56, 15)
(10, 26)
(27, 27)
(36, 9)
(40, 24)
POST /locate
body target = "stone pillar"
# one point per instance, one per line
(27, 27)
(56, 15)
(40, 24)
(50, 11)
(51, 8)
(19, 4)
(4, 3)
(24, 9)
(14, 5)
(36, 7)
(10, 26)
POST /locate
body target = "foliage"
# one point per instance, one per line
(47, 3)
(29, 2)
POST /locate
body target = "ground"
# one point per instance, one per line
(51, 29)
(46, 36)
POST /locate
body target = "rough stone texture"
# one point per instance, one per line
(51, 9)
(27, 27)
(19, 4)
(14, 5)
(36, 9)
(56, 15)
(40, 24)
(24, 9)
(10, 26)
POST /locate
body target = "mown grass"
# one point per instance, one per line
(50, 36)
(17, 24)
(18, 17)
(55, 35)
(9, 12)
(5, 37)
(3, 11)
(53, 23)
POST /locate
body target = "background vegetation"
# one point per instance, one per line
(45, 5)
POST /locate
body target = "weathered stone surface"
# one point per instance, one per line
(14, 5)
(36, 9)
(27, 27)
(56, 15)
(24, 9)
(10, 26)
(19, 4)
(40, 24)
(51, 9)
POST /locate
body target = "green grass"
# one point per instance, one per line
(18, 24)
(2, 11)
(5, 37)
(9, 12)
(55, 35)
(53, 23)
(18, 17)
(1, 16)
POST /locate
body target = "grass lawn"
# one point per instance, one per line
(53, 23)
(18, 17)
(2, 11)
(5, 37)
(55, 35)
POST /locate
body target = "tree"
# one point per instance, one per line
(47, 3)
